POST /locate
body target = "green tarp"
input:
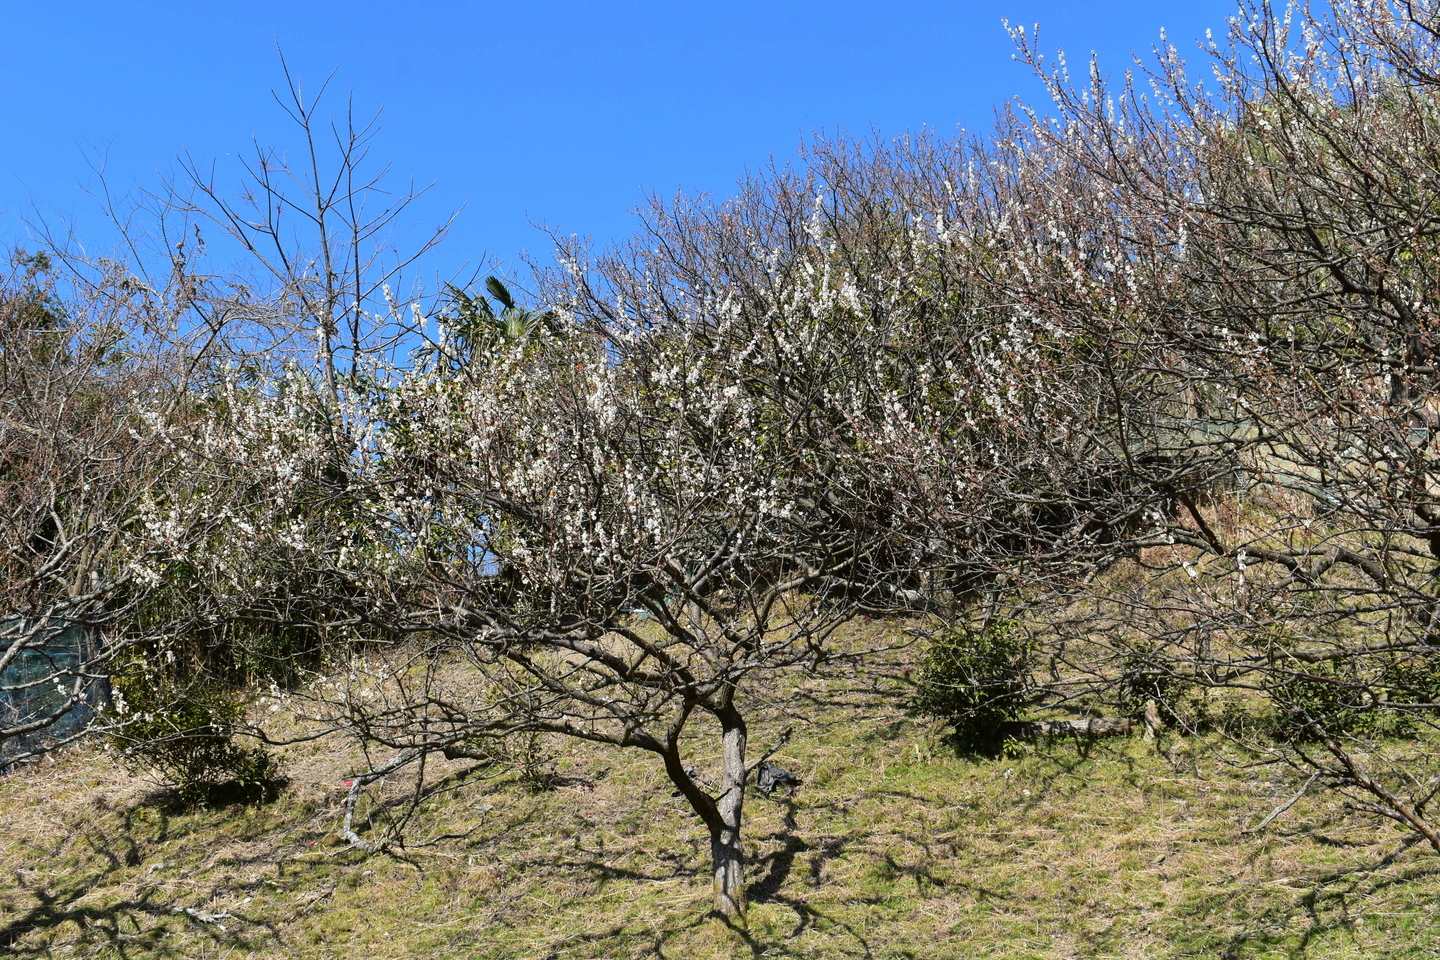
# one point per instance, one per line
(40, 681)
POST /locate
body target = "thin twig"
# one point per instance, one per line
(1284, 806)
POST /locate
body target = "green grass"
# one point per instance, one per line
(893, 847)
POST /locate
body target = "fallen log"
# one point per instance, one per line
(1090, 727)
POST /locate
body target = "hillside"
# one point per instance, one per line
(893, 846)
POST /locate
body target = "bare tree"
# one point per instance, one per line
(308, 221)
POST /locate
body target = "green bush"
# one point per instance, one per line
(1145, 678)
(976, 680)
(1414, 681)
(184, 732)
(1334, 698)
(1180, 699)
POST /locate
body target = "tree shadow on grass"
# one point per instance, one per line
(664, 937)
(1332, 901)
(774, 886)
(777, 867)
(140, 919)
(667, 935)
(637, 940)
(218, 796)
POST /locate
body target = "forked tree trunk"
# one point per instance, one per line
(725, 849)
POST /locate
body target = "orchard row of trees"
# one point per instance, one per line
(1147, 381)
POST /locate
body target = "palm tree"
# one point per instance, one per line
(474, 325)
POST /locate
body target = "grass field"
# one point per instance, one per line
(892, 847)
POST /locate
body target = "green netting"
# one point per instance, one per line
(39, 683)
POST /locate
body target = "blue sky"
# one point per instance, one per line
(562, 114)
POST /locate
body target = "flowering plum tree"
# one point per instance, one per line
(607, 534)
(800, 410)
(99, 499)
(1295, 211)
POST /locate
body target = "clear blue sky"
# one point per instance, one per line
(560, 113)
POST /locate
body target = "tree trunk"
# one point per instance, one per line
(729, 862)
(725, 848)
(1093, 727)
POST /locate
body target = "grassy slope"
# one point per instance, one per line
(893, 847)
